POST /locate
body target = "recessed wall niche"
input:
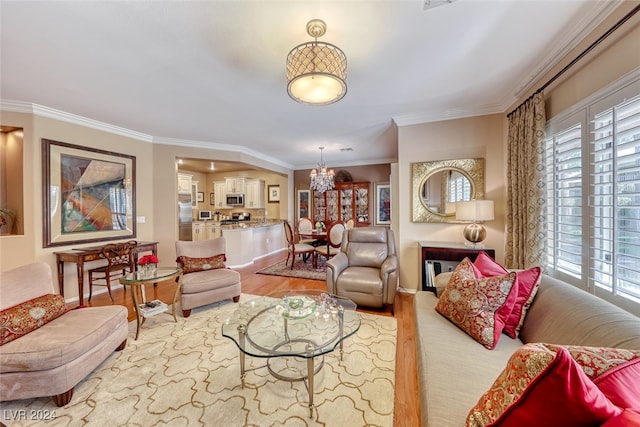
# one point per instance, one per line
(11, 181)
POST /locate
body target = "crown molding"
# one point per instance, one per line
(52, 113)
(439, 116)
(42, 111)
(222, 147)
(572, 38)
(577, 33)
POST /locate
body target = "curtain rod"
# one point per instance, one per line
(582, 54)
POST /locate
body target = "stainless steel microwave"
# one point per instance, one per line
(235, 199)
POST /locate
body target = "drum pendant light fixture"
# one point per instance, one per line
(316, 71)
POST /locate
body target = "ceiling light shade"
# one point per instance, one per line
(321, 178)
(475, 211)
(316, 71)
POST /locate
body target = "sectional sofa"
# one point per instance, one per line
(454, 370)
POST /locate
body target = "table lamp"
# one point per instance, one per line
(475, 211)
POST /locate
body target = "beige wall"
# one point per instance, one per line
(156, 189)
(474, 137)
(18, 250)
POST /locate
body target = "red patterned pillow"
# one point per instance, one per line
(622, 385)
(527, 288)
(627, 418)
(28, 316)
(477, 306)
(528, 362)
(542, 387)
(191, 265)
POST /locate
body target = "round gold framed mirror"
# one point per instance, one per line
(437, 186)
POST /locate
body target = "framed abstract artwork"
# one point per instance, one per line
(88, 195)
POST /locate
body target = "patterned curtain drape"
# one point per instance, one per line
(526, 185)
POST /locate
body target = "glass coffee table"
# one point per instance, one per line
(292, 330)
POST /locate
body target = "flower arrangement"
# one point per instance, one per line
(319, 225)
(148, 259)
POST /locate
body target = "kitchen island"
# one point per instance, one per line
(251, 240)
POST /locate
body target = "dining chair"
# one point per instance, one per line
(294, 248)
(119, 258)
(305, 227)
(350, 224)
(333, 242)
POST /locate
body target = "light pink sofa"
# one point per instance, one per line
(52, 359)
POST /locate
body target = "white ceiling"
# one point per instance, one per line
(213, 72)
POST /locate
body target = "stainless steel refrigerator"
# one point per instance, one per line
(184, 216)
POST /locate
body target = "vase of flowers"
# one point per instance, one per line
(148, 265)
(319, 226)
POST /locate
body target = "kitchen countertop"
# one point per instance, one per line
(251, 224)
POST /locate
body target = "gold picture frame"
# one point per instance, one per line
(88, 195)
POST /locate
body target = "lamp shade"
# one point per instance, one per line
(316, 71)
(475, 210)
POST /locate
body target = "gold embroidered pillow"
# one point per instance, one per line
(479, 307)
(191, 265)
(28, 316)
(529, 365)
(542, 385)
(523, 366)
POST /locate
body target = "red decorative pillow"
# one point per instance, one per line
(538, 388)
(627, 418)
(191, 265)
(28, 316)
(477, 306)
(528, 282)
(622, 385)
(561, 395)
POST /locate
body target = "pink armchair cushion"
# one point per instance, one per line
(192, 265)
(28, 316)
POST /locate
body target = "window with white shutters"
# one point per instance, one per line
(593, 194)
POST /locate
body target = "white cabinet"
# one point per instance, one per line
(213, 230)
(194, 194)
(254, 194)
(220, 194)
(198, 231)
(235, 185)
(184, 183)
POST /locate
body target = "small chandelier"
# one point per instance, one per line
(323, 180)
(316, 71)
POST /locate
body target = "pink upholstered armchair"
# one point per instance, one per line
(211, 284)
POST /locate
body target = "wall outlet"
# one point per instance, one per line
(141, 219)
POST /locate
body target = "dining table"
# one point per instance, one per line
(314, 234)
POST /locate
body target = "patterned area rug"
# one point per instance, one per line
(188, 374)
(301, 269)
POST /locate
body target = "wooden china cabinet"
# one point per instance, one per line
(348, 200)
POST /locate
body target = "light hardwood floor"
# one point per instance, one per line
(407, 410)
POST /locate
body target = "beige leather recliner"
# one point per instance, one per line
(366, 269)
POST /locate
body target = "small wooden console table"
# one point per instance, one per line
(81, 255)
(446, 251)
